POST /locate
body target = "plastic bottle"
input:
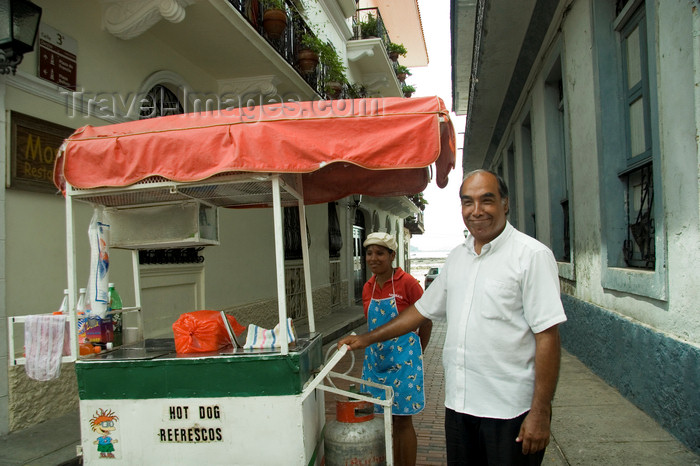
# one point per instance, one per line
(80, 309)
(115, 304)
(85, 347)
(63, 310)
(64, 304)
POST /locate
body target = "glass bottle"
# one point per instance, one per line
(115, 304)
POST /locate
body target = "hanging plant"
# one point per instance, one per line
(408, 90)
(334, 71)
(310, 49)
(274, 19)
(395, 51)
(419, 201)
(402, 72)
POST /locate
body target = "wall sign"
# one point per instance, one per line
(33, 152)
(58, 60)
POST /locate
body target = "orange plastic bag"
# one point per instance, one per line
(203, 331)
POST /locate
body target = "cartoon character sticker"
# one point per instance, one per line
(103, 423)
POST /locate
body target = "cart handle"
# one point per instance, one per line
(324, 372)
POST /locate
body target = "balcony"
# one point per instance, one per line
(367, 54)
(415, 224)
(227, 40)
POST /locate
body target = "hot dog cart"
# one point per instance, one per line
(143, 402)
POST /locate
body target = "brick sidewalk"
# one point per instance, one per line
(429, 424)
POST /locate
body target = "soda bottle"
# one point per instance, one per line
(63, 310)
(80, 309)
(64, 304)
(115, 304)
(85, 347)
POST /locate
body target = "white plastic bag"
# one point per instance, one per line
(98, 284)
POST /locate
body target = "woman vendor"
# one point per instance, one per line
(397, 362)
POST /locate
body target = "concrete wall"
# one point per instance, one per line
(647, 346)
(656, 371)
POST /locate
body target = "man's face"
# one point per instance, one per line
(483, 209)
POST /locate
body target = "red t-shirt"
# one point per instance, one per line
(407, 288)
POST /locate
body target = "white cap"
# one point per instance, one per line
(381, 239)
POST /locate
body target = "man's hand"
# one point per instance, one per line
(354, 342)
(534, 432)
(409, 319)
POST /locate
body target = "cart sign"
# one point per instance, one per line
(57, 57)
(35, 143)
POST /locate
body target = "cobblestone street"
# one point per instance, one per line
(429, 423)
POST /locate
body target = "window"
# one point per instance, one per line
(161, 101)
(633, 252)
(529, 219)
(512, 188)
(292, 234)
(335, 237)
(638, 246)
(558, 166)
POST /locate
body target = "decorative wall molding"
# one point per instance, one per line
(127, 19)
(76, 103)
(264, 85)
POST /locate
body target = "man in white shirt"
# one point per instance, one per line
(499, 292)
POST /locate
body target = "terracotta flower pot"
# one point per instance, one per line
(307, 60)
(274, 23)
(402, 77)
(408, 94)
(394, 56)
(334, 89)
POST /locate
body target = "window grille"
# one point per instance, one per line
(639, 248)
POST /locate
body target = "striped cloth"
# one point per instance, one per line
(261, 338)
(43, 339)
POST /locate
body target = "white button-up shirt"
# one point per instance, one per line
(494, 303)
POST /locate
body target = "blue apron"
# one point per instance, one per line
(397, 362)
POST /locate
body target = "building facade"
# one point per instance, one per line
(590, 109)
(97, 63)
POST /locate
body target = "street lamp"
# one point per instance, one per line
(19, 24)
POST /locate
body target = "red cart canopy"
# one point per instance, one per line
(377, 147)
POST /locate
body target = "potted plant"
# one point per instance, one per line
(396, 50)
(358, 91)
(408, 90)
(309, 51)
(274, 18)
(419, 200)
(334, 71)
(369, 27)
(402, 72)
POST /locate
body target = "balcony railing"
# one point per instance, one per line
(368, 23)
(289, 43)
(415, 224)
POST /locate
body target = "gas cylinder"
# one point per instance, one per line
(355, 437)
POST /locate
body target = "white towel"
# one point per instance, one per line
(43, 345)
(260, 338)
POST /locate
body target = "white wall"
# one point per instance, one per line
(678, 106)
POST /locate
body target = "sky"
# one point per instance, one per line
(443, 223)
